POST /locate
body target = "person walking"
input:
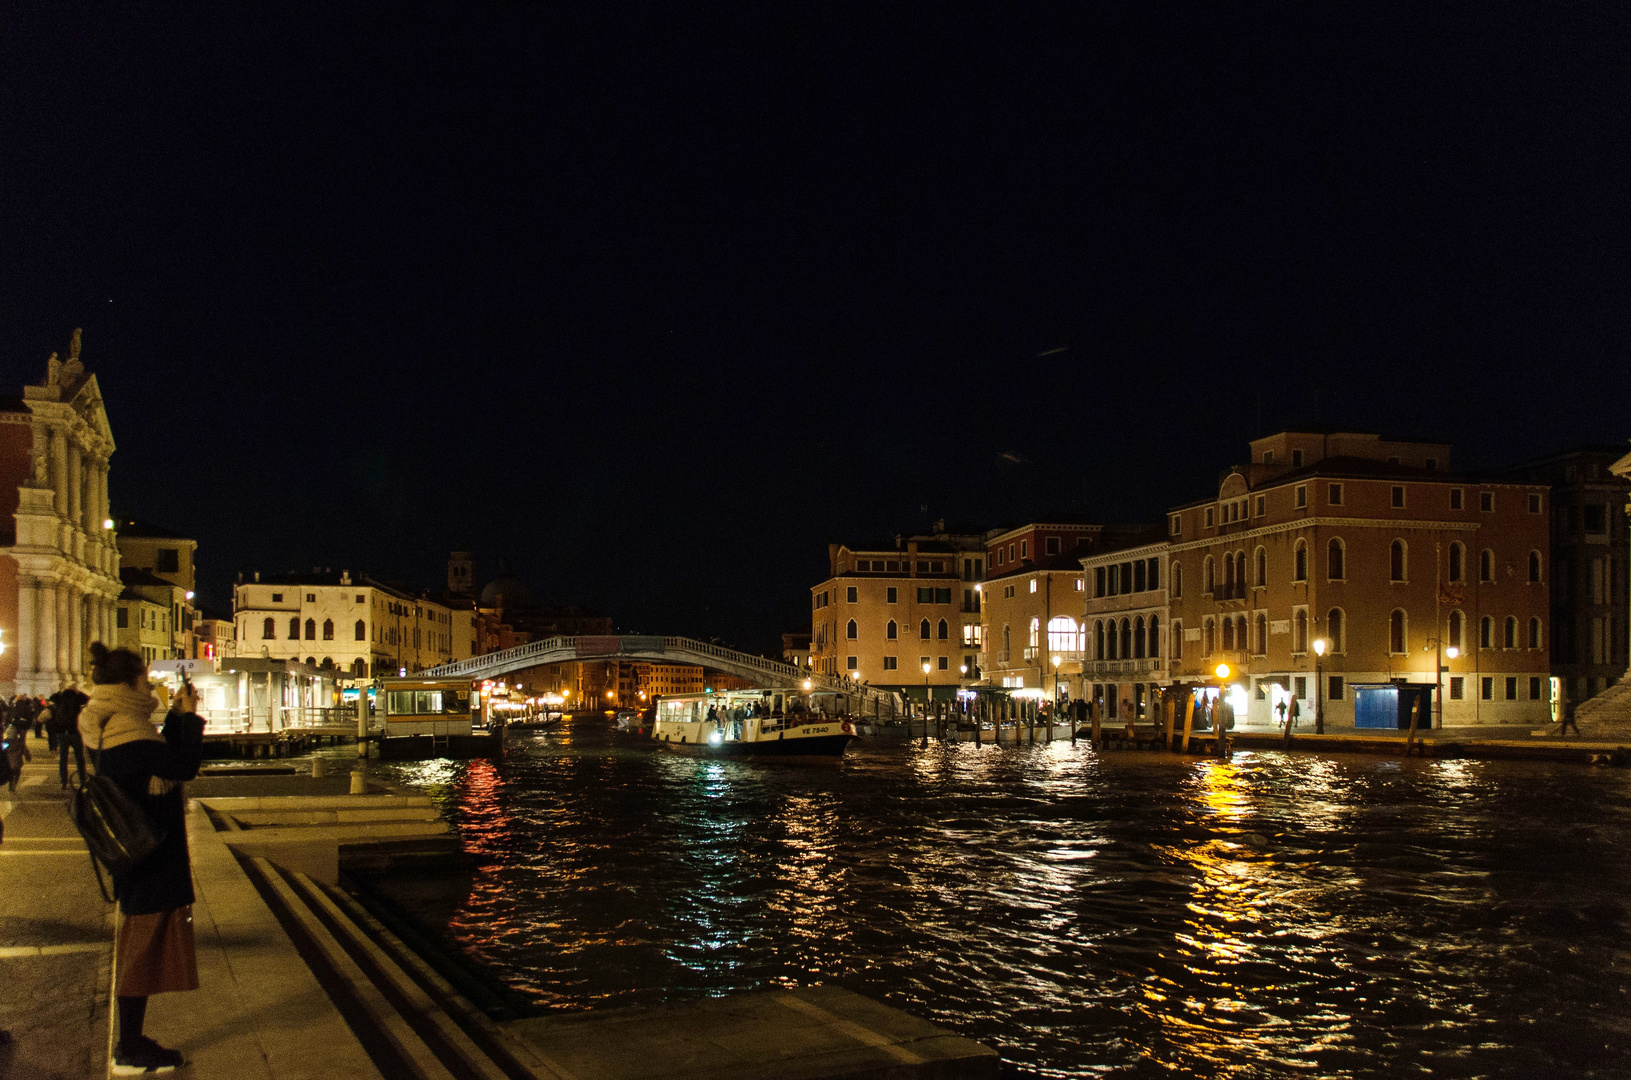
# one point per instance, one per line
(153, 948)
(63, 721)
(16, 738)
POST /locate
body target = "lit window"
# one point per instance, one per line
(1033, 584)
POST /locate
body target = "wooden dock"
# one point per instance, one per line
(276, 744)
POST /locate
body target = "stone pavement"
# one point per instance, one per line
(56, 936)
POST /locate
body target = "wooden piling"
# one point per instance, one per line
(1170, 708)
(1189, 723)
(1410, 738)
(1093, 714)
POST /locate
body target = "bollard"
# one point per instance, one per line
(359, 783)
(319, 767)
(1189, 724)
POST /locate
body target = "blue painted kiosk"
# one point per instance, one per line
(1387, 706)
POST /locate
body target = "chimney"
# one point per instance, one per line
(257, 576)
(345, 577)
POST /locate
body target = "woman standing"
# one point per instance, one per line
(153, 947)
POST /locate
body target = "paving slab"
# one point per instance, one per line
(811, 1033)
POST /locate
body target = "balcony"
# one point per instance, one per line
(1149, 666)
(1223, 593)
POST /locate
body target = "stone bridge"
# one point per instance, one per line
(665, 650)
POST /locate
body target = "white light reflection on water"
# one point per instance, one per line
(1128, 913)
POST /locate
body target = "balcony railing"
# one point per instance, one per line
(1236, 591)
(1150, 665)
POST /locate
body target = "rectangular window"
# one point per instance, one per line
(1301, 683)
(889, 663)
(1025, 549)
(925, 596)
(1177, 525)
(1456, 496)
(1008, 593)
(923, 566)
(168, 561)
(944, 665)
(1334, 494)
(1458, 688)
(277, 598)
(942, 596)
(1078, 584)
(1534, 503)
(1534, 688)
(1486, 501)
(1512, 688)
(892, 595)
(1296, 459)
(360, 598)
(1152, 574)
(1208, 517)
(122, 619)
(1053, 545)
(1115, 580)
(1302, 496)
(850, 594)
(1596, 517)
(1033, 584)
(1398, 496)
(1335, 688)
(1486, 688)
(894, 566)
(852, 662)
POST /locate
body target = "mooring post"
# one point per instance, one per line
(1410, 739)
(1093, 714)
(1189, 723)
(1170, 708)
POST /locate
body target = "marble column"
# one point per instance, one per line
(70, 508)
(62, 633)
(76, 633)
(27, 642)
(46, 611)
(59, 470)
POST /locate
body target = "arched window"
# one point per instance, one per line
(1509, 639)
(361, 630)
(1333, 629)
(1262, 567)
(1208, 637)
(328, 629)
(1229, 572)
(1210, 580)
(852, 632)
(268, 629)
(944, 631)
(1138, 639)
(328, 661)
(1126, 639)
(1334, 562)
(1155, 636)
(359, 666)
(1486, 565)
(1112, 640)
(1177, 579)
(1007, 642)
(1299, 563)
(1177, 633)
(1228, 633)
(1062, 634)
(294, 628)
(1534, 633)
(1486, 633)
(1262, 639)
(1397, 562)
(1299, 627)
(311, 660)
(1458, 562)
(890, 630)
(1456, 625)
(311, 629)
(1395, 632)
(1098, 639)
(924, 631)
(1534, 566)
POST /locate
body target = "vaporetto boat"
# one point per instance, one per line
(769, 723)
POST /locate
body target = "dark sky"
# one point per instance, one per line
(658, 302)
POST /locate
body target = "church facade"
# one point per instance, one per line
(59, 568)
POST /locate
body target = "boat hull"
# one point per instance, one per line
(814, 747)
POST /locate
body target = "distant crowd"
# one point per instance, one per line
(55, 718)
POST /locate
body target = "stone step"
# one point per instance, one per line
(1612, 706)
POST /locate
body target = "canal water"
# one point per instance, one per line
(1121, 914)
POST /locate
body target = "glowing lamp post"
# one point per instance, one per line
(926, 666)
(1056, 682)
(1320, 645)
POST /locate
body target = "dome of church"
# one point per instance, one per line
(506, 591)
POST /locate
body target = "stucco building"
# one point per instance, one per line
(1124, 622)
(59, 577)
(1373, 546)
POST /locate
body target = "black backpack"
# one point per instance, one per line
(116, 828)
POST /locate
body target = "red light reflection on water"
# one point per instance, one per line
(485, 830)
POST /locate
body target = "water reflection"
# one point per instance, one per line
(1131, 913)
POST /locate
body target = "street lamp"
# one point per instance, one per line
(1320, 645)
(925, 688)
(1056, 682)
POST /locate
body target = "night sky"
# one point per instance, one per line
(658, 302)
